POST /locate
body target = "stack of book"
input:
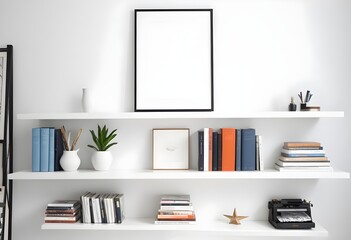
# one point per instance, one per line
(303, 156)
(230, 149)
(47, 149)
(102, 208)
(175, 209)
(63, 211)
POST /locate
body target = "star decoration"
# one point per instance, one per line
(235, 219)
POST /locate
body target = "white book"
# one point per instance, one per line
(176, 197)
(303, 169)
(176, 208)
(206, 148)
(160, 222)
(303, 151)
(96, 209)
(303, 164)
(260, 153)
(64, 203)
(86, 207)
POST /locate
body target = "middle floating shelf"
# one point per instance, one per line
(174, 174)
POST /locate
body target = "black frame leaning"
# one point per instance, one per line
(210, 86)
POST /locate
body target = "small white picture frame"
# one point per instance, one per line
(170, 148)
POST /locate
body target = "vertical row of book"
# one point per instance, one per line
(102, 208)
(175, 209)
(229, 149)
(47, 149)
(303, 156)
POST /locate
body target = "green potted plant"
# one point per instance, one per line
(102, 158)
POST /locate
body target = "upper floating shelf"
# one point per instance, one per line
(180, 115)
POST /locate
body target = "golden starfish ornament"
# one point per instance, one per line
(235, 219)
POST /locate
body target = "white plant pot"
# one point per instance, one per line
(101, 160)
(70, 161)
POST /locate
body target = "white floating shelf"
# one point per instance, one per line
(247, 228)
(179, 115)
(173, 174)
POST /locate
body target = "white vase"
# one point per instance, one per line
(87, 100)
(101, 160)
(70, 161)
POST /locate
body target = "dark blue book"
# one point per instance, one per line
(201, 150)
(215, 151)
(51, 149)
(238, 150)
(219, 152)
(44, 149)
(58, 150)
(36, 150)
(248, 149)
(118, 207)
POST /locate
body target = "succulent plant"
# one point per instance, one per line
(103, 139)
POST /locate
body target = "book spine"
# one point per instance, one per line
(219, 148)
(215, 152)
(121, 201)
(304, 151)
(210, 147)
(44, 149)
(51, 149)
(256, 155)
(36, 150)
(260, 153)
(58, 150)
(201, 151)
(248, 149)
(303, 155)
(91, 209)
(206, 148)
(228, 149)
(102, 209)
(238, 150)
(118, 210)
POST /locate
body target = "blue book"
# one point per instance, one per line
(238, 150)
(58, 150)
(35, 149)
(51, 149)
(248, 149)
(219, 167)
(44, 149)
(214, 151)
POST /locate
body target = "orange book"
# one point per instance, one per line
(187, 217)
(228, 149)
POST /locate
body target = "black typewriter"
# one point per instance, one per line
(290, 214)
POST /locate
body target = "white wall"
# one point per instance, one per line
(265, 51)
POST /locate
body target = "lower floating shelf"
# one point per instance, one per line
(247, 228)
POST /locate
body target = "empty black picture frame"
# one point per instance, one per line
(173, 60)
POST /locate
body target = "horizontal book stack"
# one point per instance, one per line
(175, 209)
(303, 156)
(47, 149)
(63, 211)
(102, 208)
(229, 149)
